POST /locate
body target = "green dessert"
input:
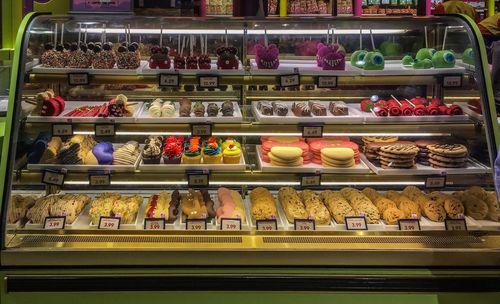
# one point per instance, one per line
(407, 60)
(422, 64)
(443, 59)
(468, 56)
(357, 58)
(425, 53)
(390, 48)
(374, 61)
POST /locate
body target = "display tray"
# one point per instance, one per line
(427, 224)
(144, 117)
(16, 225)
(469, 67)
(488, 225)
(40, 69)
(354, 116)
(248, 208)
(360, 168)
(139, 217)
(395, 68)
(291, 226)
(146, 70)
(79, 223)
(183, 167)
(31, 64)
(469, 111)
(472, 167)
(71, 105)
(371, 117)
(87, 168)
(306, 67)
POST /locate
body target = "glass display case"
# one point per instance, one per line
(139, 141)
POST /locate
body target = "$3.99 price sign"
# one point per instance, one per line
(78, 79)
(455, 224)
(196, 224)
(54, 222)
(230, 224)
(324, 82)
(109, 223)
(355, 223)
(292, 80)
(154, 224)
(304, 225)
(266, 225)
(409, 225)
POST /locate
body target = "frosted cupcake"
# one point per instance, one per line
(232, 154)
(212, 153)
(192, 151)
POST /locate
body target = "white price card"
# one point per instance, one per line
(304, 225)
(455, 224)
(196, 224)
(54, 222)
(109, 222)
(99, 179)
(231, 224)
(312, 131)
(409, 225)
(208, 81)
(292, 80)
(78, 79)
(104, 130)
(198, 180)
(168, 80)
(434, 182)
(326, 82)
(53, 178)
(267, 225)
(355, 223)
(62, 130)
(154, 224)
(201, 130)
(310, 180)
(452, 81)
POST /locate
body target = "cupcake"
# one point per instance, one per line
(232, 154)
(152, 150)
(212, 153)
(192, 151)
(172, 150)
(230, 141)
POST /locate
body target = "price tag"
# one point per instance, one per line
(168, 80)
(78, 79)
(154, 224)
(201, 130)
(56, 178)
(310, 180)
(99, 179)
(433, 182)
(109, 222)
(326, 82)
(267, 225)
(355, 223)
(196, 224)
(455, 225)
(409, 225)
(198, 180)
(208, 81)
(304, 225)
(54, 222)
(104, 130)
(292, 80)
(233, 224)
(62, 130)
(452, 81)
(312, 131)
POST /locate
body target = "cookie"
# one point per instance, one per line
(274, 158)
(349, 164)
(392, 215)
(434, 211)
(440, 164)
(286, 153)
(448, 149)
(423, 143)
(338, 153)
(447, 159)
(387, 160)
(400, 149)
(297, 163)
(386, 139)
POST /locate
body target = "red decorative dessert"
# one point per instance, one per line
(436, 102)
(455, 110)
(192, 62)
(179, 62)
(419, 101)
(366, 105)
(419, 110)
(443, 109)
(432, 109)
(392, 103)
(381, 111)
(395, 110)
(227, 58)
(381, 103)
(204, 62)
(407, 110)
(159, 57)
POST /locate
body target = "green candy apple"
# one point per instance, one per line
(422, 64)
(358, 57)
(425, 53)
(391, 49)
(468, 56)
(407, 60)
(374, 61)
(443, 59)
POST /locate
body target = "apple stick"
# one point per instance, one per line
(360, 37)
(266, 43)
(328, 35)
(225, 36)
(55, 36)
(80, 35)
(85, 36)
(400, 104)
(411, 103)
(206, 44)
(425, 34)
(191, 45)
(183, 44)
(161, 36)
(373, 42)
(62, 33)
(333, 35)
(444, 38)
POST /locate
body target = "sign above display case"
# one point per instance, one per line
(102, 6)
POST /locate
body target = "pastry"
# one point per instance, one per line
(301, 109)
(263, 205)
(164, 205)
(212, 153)
(317, 108)
(337, 157)
(18, 206)
(231, 154)
(230, 205)
(474, 206)
(338, 108)
(279, 109)
(103, 152)
(212, 109)
(292, 204)
(168, 109)
(227, 108)
(127, 154)
(265, 108)
(199, 109)
(152, 152)
(267, 57)
(192, 151)
(315, 207)
(75, 150)
(113, 204)
(154, 108)
(185, 107)
(172, 150)
(159, 57)
(118, 107)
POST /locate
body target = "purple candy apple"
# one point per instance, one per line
(267, 57)
(322, 51)
(332, 57)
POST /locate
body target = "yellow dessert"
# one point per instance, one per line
(230, 141)
(232, 154)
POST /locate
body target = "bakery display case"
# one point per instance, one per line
(158, 142)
